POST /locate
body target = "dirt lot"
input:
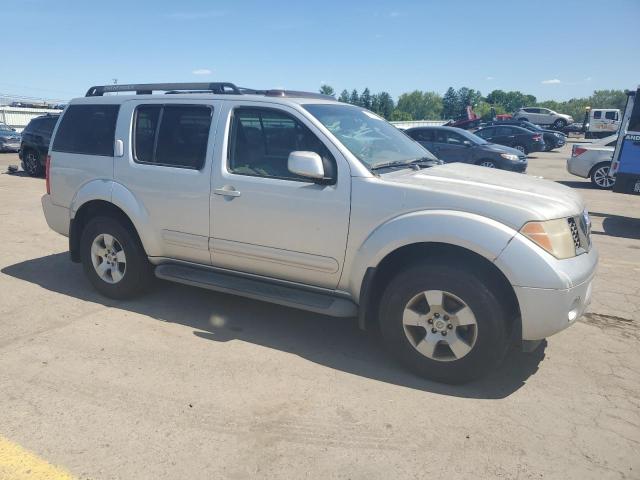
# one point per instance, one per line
(185, 383)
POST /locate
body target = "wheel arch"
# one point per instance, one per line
(428, 233)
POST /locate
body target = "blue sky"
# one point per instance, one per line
(551, 49)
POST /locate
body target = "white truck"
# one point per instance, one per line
(601, 122)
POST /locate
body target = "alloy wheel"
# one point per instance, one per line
(488, 164)
(601, 177)
(108, 258)
(440, 325)
(31, 163)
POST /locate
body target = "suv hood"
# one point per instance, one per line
(507, 197)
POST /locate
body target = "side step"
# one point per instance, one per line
(258, 290)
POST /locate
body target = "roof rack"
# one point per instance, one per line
(219, 88)
(149, 88)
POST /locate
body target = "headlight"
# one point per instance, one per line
(509, 156)
(554, 236)
(559, 135)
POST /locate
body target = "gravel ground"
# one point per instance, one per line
(185, 383)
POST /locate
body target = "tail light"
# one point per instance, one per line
(47, 170)
(537, 138)
(577, 151)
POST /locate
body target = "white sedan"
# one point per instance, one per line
(592, 160)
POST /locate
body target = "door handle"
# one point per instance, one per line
(227, 191)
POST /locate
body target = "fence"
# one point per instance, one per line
(420, 123)
(19, 117)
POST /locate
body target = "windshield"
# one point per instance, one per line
(370, 138)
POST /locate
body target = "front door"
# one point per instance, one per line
(453, 147)
(167, 167)
(504, 136)
(266, 220)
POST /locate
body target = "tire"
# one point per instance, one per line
(487, 163)
(600, 176)
(559, 124)
(130, 272)
(404, 301)
(521, 148)
(32, 164)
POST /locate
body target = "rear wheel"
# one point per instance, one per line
(113, 258)
(443, 321)
(32, 164)
(521, 148)
(600, 176)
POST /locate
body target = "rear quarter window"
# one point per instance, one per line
(87, 129)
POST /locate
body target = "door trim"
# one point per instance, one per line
(290, 258)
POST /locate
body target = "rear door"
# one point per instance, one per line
(454, 148)
(425, 137)
(168, 149)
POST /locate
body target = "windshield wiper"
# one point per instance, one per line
(420, 162)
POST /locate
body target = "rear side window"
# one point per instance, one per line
(172, 135)
(611, 115)
(502, 131)
(87, 129)
(597, 114)
(485, 133)
(421, 135)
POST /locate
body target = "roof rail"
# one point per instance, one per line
(286, 93)
(149, 88)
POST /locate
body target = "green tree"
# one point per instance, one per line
(385, 105)
(421, 105)
(467, 96)
(399, 116)
(365, 99)
(327, 90)
(344, 97)
(608, 99)
(354, 98)
(449, 103)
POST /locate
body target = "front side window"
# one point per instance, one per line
(371, 139)
(486, 133)
(421, 135)
(503, 131)
(261, 140)
(454, 139)
(171, 135)
(87, 129)
(611, 115)
(597, 114)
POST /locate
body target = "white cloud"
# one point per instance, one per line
(551, 81)
(489, 78)
(193, 15)
(202, 71)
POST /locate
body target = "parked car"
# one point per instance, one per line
(543, 116)
(35, 143)
(297, 199)
(575, 128)
(593, 160)
(552, 139)
(9, 139)
(456, 145)
(516, 137)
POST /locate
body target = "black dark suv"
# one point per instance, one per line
(514, 137)
(552, 138)
(35, 144)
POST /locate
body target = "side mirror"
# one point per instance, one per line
(306, 164)
(467, 143)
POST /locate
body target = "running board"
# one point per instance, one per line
(258, 290)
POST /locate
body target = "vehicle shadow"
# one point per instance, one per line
(586, 184)
(332, 342)
(618, 226)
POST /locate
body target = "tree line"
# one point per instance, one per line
(428, 105)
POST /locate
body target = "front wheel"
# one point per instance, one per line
(113, 258)
(32, 164)
(443, 321)
(559, 124)
(600, 176)
(487, 163)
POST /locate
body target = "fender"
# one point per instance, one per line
(476, 233)
(124, 199)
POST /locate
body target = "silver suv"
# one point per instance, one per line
(543, 116)
(297, 199)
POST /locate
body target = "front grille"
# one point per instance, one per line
(574, 232)
(580, 233)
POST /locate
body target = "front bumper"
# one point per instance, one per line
(519, 167)
(552, 294)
